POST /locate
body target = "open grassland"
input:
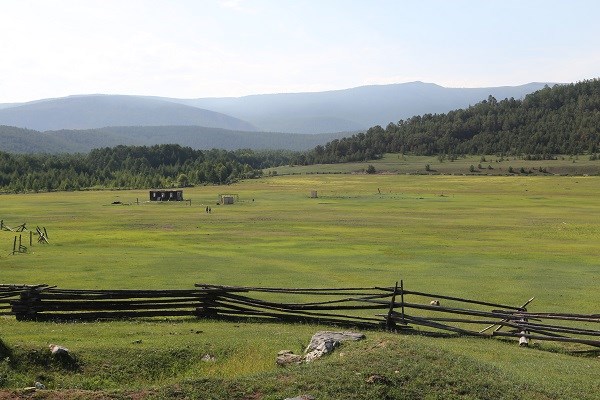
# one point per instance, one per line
(468, 165)
(496, 238)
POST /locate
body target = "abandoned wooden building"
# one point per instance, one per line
(228, 198)
(166, 195)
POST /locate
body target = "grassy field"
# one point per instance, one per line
(497, 238)
(467, 165)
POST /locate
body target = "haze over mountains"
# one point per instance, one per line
(80, 123)
(352, 109)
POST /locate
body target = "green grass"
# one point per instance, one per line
(163, 359)
(498, 238)
(486, 165)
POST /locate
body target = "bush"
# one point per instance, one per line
(371, 169)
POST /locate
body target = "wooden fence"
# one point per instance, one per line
(392, 308)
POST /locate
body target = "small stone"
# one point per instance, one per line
(377, 379)
(208, 358)
(39, 385)
(286, 357)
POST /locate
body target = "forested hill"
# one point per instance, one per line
(19, 140)
(564, 119)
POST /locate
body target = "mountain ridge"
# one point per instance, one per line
(337, 110)
(98, 111)
(355, 108)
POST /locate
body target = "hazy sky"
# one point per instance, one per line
(206, 48)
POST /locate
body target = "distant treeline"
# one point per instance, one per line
(564, 119)
(136, 167)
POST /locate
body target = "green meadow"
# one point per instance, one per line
(467, 165)
(502, 238)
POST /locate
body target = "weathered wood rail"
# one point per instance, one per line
(392, 308)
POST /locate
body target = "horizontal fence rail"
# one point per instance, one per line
(393, 308)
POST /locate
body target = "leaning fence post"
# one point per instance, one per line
(402, 300)
(389, 322)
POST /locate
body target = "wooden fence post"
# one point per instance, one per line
(402, 300)
(205, 310)
(389, 321)
(25, 308)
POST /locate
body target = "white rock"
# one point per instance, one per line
(57, 350)
(324, 342)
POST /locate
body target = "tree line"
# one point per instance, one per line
(564, 119)
(135, 167)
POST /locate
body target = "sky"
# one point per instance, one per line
(218, 48)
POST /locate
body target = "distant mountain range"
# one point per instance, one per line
(80, 123)
(352, 109)
(99, 111)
